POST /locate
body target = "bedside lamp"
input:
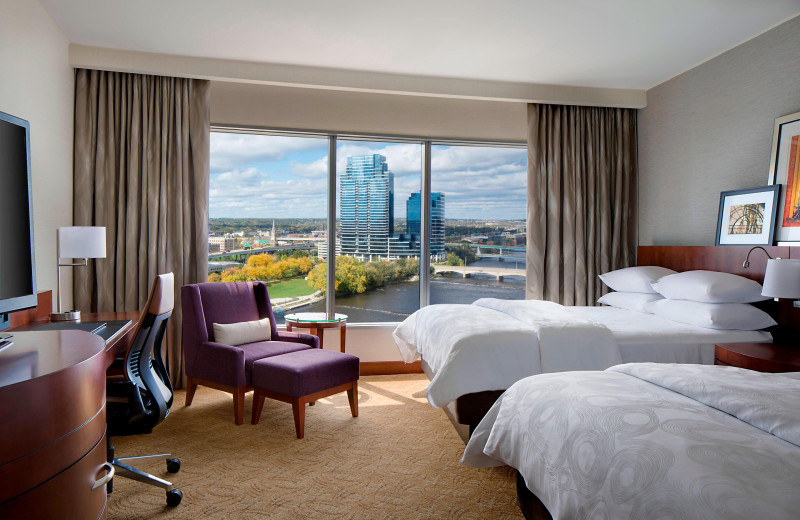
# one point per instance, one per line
(76, 242)
(782, 279)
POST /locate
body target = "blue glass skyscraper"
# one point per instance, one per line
(366, 206)
(413, 219)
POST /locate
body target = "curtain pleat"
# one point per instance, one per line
(141, 167)
(582, 199)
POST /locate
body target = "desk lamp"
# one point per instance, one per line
(76, 242)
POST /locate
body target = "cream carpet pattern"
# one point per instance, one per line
(398, 459)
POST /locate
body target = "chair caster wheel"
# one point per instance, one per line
(174, 497)
(173, 466)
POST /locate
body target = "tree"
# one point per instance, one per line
(453, 259)
(214, 277)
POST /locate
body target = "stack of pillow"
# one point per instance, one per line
(703, 298)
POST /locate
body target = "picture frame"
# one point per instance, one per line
(784, 168)
(747, 217)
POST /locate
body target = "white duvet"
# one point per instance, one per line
(648, 440)
(493, 343)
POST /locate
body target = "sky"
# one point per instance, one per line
(258, 176)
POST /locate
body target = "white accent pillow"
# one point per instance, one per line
(629, 300)
(709, 287)
(635, 279)
(242, 332)
(725, 316)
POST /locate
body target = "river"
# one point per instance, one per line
(393, 303)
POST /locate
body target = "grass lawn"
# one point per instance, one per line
(290, 288)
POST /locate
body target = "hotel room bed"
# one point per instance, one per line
(649, 440)
(459, 342)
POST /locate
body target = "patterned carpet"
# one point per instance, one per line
(398, 459)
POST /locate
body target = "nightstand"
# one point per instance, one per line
(762, 357)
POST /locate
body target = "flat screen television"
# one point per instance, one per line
(17, 263)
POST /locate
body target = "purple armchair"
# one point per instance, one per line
(225, 367)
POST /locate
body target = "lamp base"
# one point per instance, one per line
(66, 316)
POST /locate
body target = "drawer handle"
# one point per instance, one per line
(108, 476)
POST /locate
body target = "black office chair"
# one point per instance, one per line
(142, 397)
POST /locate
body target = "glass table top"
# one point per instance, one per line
(314, 317)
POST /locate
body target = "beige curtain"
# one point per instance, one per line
(142, 171)
(582, 199)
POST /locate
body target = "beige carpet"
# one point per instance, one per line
(398, 459)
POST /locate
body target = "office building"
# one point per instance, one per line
(414, 218)
(367, 207)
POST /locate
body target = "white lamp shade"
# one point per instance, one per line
(782, 279)
(82, 242)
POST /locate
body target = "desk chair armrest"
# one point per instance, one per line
(220, 363)
(298, 337)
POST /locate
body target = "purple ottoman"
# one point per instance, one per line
(303, 377)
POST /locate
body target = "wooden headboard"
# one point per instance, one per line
(726, 259)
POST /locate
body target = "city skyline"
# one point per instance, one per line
(258, 176)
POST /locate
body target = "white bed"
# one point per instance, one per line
(491, 344)
(650, 441)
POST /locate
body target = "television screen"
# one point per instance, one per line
(17, 266)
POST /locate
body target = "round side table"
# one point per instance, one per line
(318, 322)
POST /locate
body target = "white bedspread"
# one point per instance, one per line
(491, 344)
(650, 441)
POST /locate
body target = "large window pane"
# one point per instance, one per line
(378, 249)
(482, 191)
(267, 214)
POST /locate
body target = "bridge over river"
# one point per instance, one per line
(468, 270)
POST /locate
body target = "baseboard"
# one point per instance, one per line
(381, 368)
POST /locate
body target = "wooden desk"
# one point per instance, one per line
(52, 423)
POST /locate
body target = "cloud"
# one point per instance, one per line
(232, 150)
(479, 182)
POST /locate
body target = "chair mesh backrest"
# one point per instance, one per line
(143, 362)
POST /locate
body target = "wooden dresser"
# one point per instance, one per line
(52, 426)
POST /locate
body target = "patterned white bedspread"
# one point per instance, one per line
(491, 344)
(651, 440)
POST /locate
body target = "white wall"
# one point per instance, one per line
(710, 130)
(36, 84)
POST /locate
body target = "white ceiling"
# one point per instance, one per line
(633, 44)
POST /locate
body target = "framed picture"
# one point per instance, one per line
(784, 168)
(747, 217)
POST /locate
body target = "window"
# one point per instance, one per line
(378, 263)
(269, 196)
(267, 213)
(479, 234)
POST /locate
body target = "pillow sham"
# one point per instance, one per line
(723, 316)
(630, 300)
(635, 279)
(242, 332)
(709, 287)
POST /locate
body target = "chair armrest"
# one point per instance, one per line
(220, 363)
(299, 337)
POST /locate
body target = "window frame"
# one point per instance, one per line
(333, 138)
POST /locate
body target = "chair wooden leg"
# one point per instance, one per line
(258, 405)
(299, 410)
(238, 406)
(352, 396)
(191, 386)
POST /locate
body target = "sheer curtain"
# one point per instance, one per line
(582, 199)
(141, 169)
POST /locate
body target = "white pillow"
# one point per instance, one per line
(709, 287)
(242, 332)
(635, 279)
(726, 316)
(629, 300)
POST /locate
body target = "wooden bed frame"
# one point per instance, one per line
(467, 411)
